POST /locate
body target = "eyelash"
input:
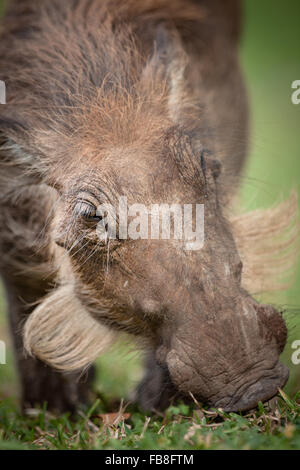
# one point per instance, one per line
(87, 211)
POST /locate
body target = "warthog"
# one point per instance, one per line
(143, 100)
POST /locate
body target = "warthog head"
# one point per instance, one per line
(103, 121)
(213, 338)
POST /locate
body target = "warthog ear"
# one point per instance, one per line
(232, 11)
(167, 47)
(63, 334)
(227, 14)
(167, 65)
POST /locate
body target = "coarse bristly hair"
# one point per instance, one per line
(268, 242)
(51, 136)
(64, 334)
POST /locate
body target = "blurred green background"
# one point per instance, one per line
(270, 56)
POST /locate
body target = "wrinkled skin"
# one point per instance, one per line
(210, 337)
(205, 335)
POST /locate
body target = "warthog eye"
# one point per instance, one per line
(87, 211)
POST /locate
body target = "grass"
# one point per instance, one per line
(271, 61)
(271, 426)
(179, 428)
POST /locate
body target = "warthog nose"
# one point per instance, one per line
(262, 390)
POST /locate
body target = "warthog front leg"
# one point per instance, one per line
(156, 391)
(39, 382)
(61, 392)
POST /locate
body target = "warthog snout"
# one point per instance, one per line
(260, 391)
(143, 102)
(231, 361)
